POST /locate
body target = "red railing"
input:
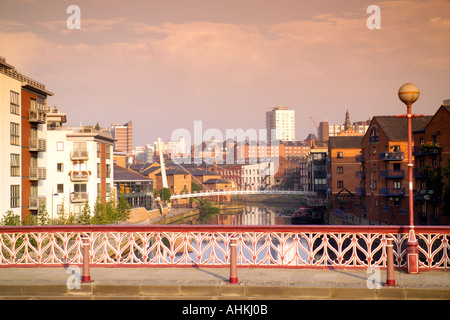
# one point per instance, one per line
(206, 245)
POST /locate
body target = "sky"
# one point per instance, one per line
(165, 64)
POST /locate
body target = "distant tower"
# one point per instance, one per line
(347, 123)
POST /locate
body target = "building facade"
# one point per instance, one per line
(80, 166)
(281, 121)
(123, 133)
(23, 144)
(431, 158)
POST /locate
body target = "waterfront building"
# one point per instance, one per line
(431, 157)
(134, 187)
(23, 144)
(343, 175)
(80, 166)
(382, 194)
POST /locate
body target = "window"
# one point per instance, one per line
(397, 184)
(15, 165)
(15, 196)
(99, 150)
(108, 152)
(33, 105)
(41, 103)
(79, 145)
(340, 155)
(59, 146)
(80, 187)
(60, 188)
(14, 134)
(14, 102)
(340, 184)
(99, 170)
(60, 167)
(340, 169)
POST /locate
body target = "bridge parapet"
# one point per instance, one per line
(188, 246)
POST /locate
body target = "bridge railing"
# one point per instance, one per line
(241, 192)
(189, 246)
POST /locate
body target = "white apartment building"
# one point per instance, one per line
(258, 176)
(282, 121)
(22, 142)
(80, 165)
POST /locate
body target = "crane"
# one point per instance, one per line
(313, 122)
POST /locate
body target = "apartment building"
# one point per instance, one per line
(22, 142)
(79, 165)
(123, 133)
(431, 156)
(383, 195)
(343, 175)
(282, 121)
(258, 176)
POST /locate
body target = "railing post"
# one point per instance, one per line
(390, 278)
(233, 267)
(86, 277)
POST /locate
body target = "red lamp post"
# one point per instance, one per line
(408, 94)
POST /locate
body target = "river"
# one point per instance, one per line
(253, 214)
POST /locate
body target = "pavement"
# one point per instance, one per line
(213, 283)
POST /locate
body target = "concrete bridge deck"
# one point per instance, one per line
(212, 284)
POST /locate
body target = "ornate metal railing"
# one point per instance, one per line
(188, 246)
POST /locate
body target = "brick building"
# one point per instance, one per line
(382, 193)
(431, 155)
(343, 173)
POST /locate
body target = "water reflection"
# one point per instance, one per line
(252, 216)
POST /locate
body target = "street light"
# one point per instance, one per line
(408, 94)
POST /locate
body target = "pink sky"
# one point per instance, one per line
(165, 64)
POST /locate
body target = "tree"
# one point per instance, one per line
(85, 217)
(123, 209)
(10, 219)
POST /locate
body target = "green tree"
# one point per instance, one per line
(123, 209)
(85, 217)
(10, 219)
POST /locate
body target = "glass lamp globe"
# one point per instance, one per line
(408, 93)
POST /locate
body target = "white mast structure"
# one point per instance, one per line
(163, 167)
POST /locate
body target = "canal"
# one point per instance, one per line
(248, 214)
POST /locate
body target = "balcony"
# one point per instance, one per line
(37, 173)
(37, 116)
(427, 149)
(426, 196)
(79, 196)
(79, 154)
(79, 176)
(37, 202)
(392, 192)
(38, 144)
(392, 174)
(392, 156)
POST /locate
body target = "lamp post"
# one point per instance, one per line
(408, 94)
